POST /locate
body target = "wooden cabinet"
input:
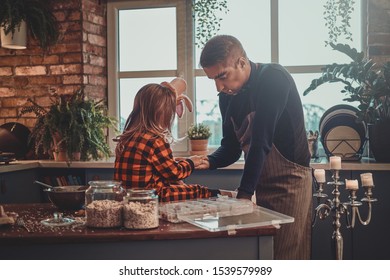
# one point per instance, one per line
(363, 242)
(18, 187)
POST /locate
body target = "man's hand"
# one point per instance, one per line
(204, 163)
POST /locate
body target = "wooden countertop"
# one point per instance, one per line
(78, 232)
(322, 163)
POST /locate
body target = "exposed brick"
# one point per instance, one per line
(7, 120)
(97, 40)
(45, 80)
(97, 80)
(32, 91)
(15, 60)
(20, 82)
(66, 48)
(97, 60)
(31, 64)
(60, 15)
(93, 28)
(5, 91)
(379, 38)
(96, 92)
(5, 71)
(380, 60)
(68, 89)
(93, 6)
(66, 5)
(30, 70)
(9, 112)
(379, 50)
(71, 58)
(72, 37)
(72, 79)
(70, 26)
(381, 4)
(65, 69)
(95, 18)
(93, 70)
(44, 101)
(96, 50)
(45, 59)
(7, 81)
(74, 15)
(13, 102)
(379, 19)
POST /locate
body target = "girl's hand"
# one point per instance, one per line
(197, 160)
(204, 163)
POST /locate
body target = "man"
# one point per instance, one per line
(262, 115)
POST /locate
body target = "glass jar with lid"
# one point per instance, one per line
(140, 209)
(104, 203)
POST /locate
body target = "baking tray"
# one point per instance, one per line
(221, 214)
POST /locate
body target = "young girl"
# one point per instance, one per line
(143, 155)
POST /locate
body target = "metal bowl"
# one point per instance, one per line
(67, 197)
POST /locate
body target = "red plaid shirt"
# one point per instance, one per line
(147, 162)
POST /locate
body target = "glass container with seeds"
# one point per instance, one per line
(103, 204)
(140, 209)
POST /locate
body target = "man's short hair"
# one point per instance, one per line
(220, 49)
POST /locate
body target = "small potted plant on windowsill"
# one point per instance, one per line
(368, 85)
(72, 127)
(199, 135)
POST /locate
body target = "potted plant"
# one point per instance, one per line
(199, 135)
(71, 125)
(35, 14)
(368, 85)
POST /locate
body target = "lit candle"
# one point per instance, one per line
(335, 162)
(319, 174)
(351, 184)
(367, 180)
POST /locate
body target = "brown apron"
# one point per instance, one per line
(285, 187)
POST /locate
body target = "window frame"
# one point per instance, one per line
(186, 66)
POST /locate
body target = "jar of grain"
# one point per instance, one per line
(140, 209)
(103, 204)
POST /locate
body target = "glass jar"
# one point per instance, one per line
(103, 204)
(140, 209)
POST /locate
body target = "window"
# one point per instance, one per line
(152, 41)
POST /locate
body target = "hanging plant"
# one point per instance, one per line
(207, 19)
(40, 20)
(337, 17)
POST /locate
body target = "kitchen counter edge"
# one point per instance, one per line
(364, 164)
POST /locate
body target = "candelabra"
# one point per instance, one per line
(337, 208)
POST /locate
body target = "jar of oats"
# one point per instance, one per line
(140, 209)
(103, 204)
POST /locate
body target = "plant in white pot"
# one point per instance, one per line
(199, 135)
(33, 17)
(369, 85)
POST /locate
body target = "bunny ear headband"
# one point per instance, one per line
(179, 86)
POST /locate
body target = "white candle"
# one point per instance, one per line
(367, 180)
(319, 174)
(335, 162)
(351, 184)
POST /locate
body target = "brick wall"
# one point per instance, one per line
(378, 30)
(78, 59)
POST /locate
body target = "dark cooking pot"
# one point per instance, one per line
(67, 197)
(14, 138)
